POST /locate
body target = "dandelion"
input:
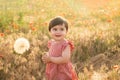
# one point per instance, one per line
(21, 45)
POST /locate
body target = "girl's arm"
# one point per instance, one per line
(64, 58)
(58, 60)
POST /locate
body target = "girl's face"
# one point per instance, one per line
(58, 32)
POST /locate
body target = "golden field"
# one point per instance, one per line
(94, 28)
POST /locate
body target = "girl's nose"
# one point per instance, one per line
(58, 31)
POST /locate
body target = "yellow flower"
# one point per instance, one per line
(21, 45)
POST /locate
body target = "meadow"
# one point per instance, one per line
(94, 30)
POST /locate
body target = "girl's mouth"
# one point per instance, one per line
(58, 35)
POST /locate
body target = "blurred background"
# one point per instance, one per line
(94, 28)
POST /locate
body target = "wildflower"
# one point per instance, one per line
(31, 24)
(116, 67)
(7, 31)
(33, 29)
(109, 20)
(21, 45)
(46, 23)
(1, 56)
(1, 34)
(14, 25)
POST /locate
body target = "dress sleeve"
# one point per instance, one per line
(68, 43)
(49, 44)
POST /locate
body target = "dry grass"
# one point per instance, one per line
(95, 33)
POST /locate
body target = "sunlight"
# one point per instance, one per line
(94, 29)
(93, 4)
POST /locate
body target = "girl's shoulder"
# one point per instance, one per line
(68, 42)
(50, 42)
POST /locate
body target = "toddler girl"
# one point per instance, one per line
(58, 64)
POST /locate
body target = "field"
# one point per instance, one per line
(94, 28)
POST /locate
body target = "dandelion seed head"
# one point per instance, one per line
(21, 45)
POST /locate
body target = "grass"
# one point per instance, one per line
(94, 31)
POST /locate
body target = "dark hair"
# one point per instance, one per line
(58, 21)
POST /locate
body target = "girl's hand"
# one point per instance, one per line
(46, 58)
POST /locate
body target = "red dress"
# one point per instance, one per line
(63, 71)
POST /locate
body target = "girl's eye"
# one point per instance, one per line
(62, 29)
(54, 29)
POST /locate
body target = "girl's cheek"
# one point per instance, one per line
(64, 33)
(52, 32)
